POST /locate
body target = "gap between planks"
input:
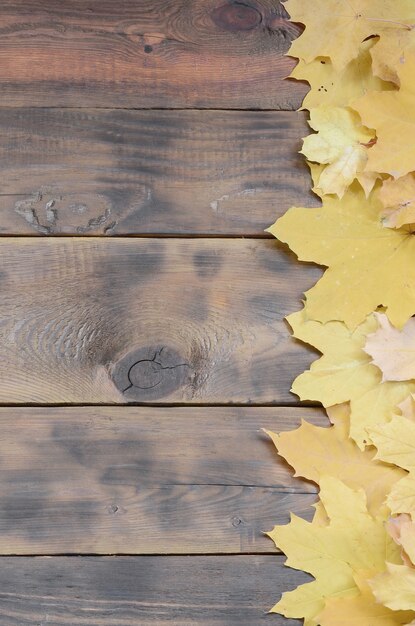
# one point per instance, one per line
(155, 109)
(144, 235)
(166, 405)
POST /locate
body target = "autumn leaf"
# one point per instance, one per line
(407, 408)
(336, 28)
(398, 200)
(314, 452)
(320, 515)
(328, 86)
(402, 530)
(402, 496)
(395, 443)
(341, 144)
(359, 60)
(389, 51)
(345, 373)
(307, 601)
(392, 115)
(361, 609)
(352, 541)
(315, 172)
(369, 265)
(392, 350)
(395, 588)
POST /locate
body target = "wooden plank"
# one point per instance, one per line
(117, 480)
(152, 446)
(146, 320)
(149, 591)
(147, 54)
(91, 172)
(205, 519)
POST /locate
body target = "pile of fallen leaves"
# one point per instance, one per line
(359, 58)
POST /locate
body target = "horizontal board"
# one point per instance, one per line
(92, 172)
(136, 480)
(189, 519)
(156, 591)
(134, 445)
(147, 54)
(146, 320)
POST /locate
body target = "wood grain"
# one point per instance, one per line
(146, 320)
(90, 172)
(147, 54)
(156, 591)
(117, 480)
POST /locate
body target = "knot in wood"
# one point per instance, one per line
(146, 374)
(150, 373)
(236, 16)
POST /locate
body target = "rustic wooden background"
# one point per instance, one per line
(145, 145)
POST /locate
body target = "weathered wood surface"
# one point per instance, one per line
(151, 53)
(149, 591)
(117, 480)
(89, 172)
(148, 320)
(123, 321)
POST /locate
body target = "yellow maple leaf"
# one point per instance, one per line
(336, 28)
(395, 443)
(361, 609)
(345, 373)
(340, 144)
(389, 51)
(367, 246)
(392, 115)
(352, 541)
(407, 408)
(315, 171)
(395, 588)
(314, 452)
(402, 495)
(392, 350)
(307, 601)
(402, 530)
(320, 515)
(398, 199)
(328, 86)
(369, 265)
